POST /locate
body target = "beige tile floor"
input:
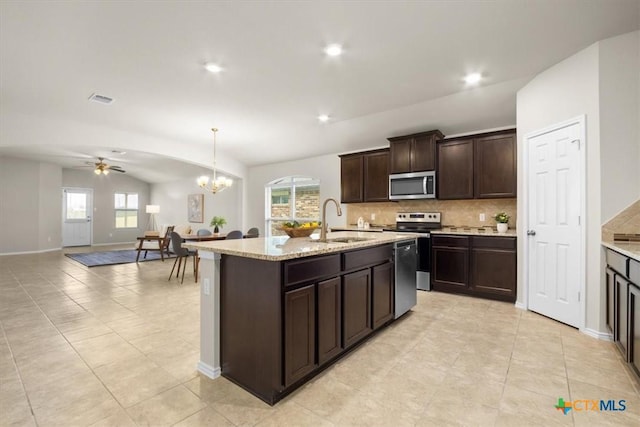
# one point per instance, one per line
(118, 345)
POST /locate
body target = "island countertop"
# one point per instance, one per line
(281, 248)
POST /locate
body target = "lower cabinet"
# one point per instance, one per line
(300, 335)
(329, 319)
(621, 318)
(483, 266)
(610, 303)
(383, 302)
(356, 305)
(634, 328)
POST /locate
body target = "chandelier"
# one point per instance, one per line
(218, 183)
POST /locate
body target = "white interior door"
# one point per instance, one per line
(554, 223)
(77, 207)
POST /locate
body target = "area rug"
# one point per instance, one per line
(94, 259)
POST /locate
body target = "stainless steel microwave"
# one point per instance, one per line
(414, 185)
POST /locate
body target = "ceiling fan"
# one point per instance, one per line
(102, 168)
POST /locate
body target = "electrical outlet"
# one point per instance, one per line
(373, 217)
(207, 287)
(482, 217)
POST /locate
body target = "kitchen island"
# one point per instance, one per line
(276, 311)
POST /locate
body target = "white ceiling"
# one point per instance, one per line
(399, 57)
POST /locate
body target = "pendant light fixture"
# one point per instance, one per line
(219, 183)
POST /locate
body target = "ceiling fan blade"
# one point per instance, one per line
(117, 170)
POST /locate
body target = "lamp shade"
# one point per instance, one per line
(153, 209)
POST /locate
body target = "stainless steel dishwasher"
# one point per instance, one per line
(405, 255)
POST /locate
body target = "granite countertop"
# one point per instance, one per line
(475, 231)
(282, 247)
(630, 249)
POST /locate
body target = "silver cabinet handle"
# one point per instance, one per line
(531, 232)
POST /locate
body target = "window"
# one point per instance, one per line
(126, 209)
(293, 198)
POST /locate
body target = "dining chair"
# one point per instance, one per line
(235, 234)
(181, 253)
(204, 232)
(253, 232)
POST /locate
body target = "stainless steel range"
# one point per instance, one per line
(423, 223)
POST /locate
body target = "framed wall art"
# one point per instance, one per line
(195, 207)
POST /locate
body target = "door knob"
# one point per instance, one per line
(531, 232)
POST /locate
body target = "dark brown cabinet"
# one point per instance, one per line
(479, 166)
(450, 263)
(364, 177)
(621, 336)
(610, 303)
(414, 153)
(476, 265)
(634, 328)
(455, 169)
(495, 166)
(282, 322)
(383, 303)
(329, 319)
(356, 304)
(493, 267)
(300, 335)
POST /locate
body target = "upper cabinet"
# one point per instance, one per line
(364, 177)
(414, 153)
(479, 166)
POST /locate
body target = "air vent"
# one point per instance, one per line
(100, 98)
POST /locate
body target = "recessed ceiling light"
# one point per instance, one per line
(323, 118)
(333, 50)
(213, 68)
(473, 78)
(100, 99)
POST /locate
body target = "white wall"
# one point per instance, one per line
(104, 188)
(325, 168)
(172, 199)
(566, 90)
(30, 207)
(599, 82)
(619, 123)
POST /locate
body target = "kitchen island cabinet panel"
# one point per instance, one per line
(300, 336)
(329, 319)
(356, 303)
(383, 302)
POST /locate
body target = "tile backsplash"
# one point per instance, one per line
(454, 212)
(626, 222)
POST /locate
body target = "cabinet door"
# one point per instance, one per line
(300, 338)
(356, 306)
(610, 285)
(400, 151)
(450, 269)
(351, 179)
(423, 153)
(382, 294)
(376, 177)
(622, 328)
(634, 327)
(329, 319)
(493, 272)
(495, 166)
(455, 169)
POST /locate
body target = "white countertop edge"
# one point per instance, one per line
(630, 249)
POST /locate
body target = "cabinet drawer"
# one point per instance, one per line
(450, 241)
(634, 273)
(508, 243)
(307, 269)
(618, 262)
(366, 257)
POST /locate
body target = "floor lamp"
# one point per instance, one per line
(151, 225)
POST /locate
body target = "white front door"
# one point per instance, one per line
(554, 222)
(77, 209)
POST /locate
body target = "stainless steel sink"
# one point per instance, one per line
(348, 239)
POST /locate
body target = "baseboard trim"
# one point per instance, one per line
(604, 336)
(520, 305)
(114, 244)
(30, 252)
(208, 370)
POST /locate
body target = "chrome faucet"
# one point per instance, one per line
(323, 226)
